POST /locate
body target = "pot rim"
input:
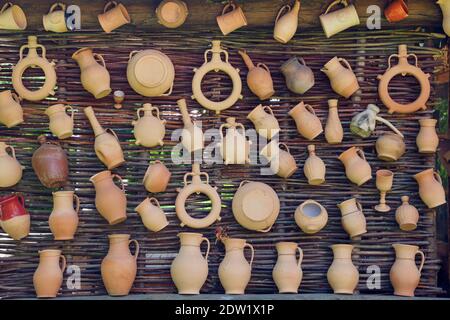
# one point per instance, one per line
(50, 252)
(63, 193)
(424, 172)
(76, 53)
(119, 236)
(101, 174)
(411, 246)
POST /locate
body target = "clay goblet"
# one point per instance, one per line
(384, 184)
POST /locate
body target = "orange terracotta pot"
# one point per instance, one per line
(357, 168)
(404, 274)
(63, 220)
(430, 188)
(48, 277)
(396, 11)
(287, 272)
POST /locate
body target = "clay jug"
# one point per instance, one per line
(189, 269)
(299, 77)
(430, 188)
(407, 215)
(119, 266)
(61, 124)
(427, 140)
(107, 145)
(149, 130)
(404, 274)
(282, 163)
(114, 16)
(357, 169)
(342, 79)
(110, 200)
(94, 76)
(156, 177)
(333, 129)
(286, 26)
(259, 79)
(11, 113)
(308, 124)
(14, 218)
(353, 220)
(390, 147)
(192, 135)
(50, 164)
(445, 7)
(314, 168)
(265, 123)
(10, 168)
(63, 220)
(311, 216)
(342, 275)
(152, 215)
(287, 273)
(48, 277)
(231, 20)
(234, 147)
(234, 270)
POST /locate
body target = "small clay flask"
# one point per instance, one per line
(314, 168)
(407, 215)
(333, 129)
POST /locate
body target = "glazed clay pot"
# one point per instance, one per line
(286, 25)
(234, 146)
(338, 20)
(299, 77)
(287, 273)
(15, 219)
(430, 188)
(172, 13)
(342, 275)
(114, 16)
(396, 11)
(63, 220)
(234, 270)
(282, 163)
(427, 140)
(48, 277)
(357, 168)
(407, 215)
(445, 7)
(152, 215)
(10, 169)
(192, 135)
(119, 266)
(390, 147)
(353, 220)
(156, 177)
(265, 123)
(231, 20)
(259, 80)
(12, 17)
(149, 130)
(343, 80)
(333, 128)
(61, 124)
(189, 269)
(404, 274)
(311, 216)
(308, 124)
(314, 168)
(11, 113)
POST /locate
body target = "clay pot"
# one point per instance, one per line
(286, 25)
(299, 77)
(50, 164)
(282, 163)
(430, 188)
(14, 218)
(48, 277)
(11, 113)
(265, 123)
(353, 220)
(149, 130)
(427, 140)
(156, 177)
(445, 7)
(119, 266)
(55, 20)
(10, 169)
(342, 275)
(113, 18)
(357, 169)
(234, 147)
(234, 270)
(404, 274)
(390, 147)
(287, 273)
(343, 80)
(314, 168)
(12, 17)
(192, 135)
(259, 80)
(63, 220)
(61, 124)
(338, 20)
(189, 269)
(110, 200)
(308, 124)
(407, 215)
(231, 20)
(396, 11)
(333, 129)
(311, 216)
(172, 13)
(152, 215)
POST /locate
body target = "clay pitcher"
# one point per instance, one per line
(149, 130)
(189, 269)
(110, 200)
(192, 135)
(14, 218)
(48, 277)
(445, 7)
(259, 79)
(287, 273)
(427, 140)
(299, 77)
(407, 215)
(114, 16)
(333, 129)
(234, 146)
(308, 124)
(430, 188)
(282, 163)
(265, 123)
(343, 80)
(10, 169)
(314, 168)
(119, 266)
(234, 270)
(353, 220)
(11, 113)
(231, 20)
(286, 25)
(61, 124)
(357, 169)
(156, 177)
(152, 215)
(342, 275)
(63, 220)
(404, 274)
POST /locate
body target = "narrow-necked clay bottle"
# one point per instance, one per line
(192, 136)
(333, 129)
(342, 275)
(407, 215)
(10, 168)
(404, 274)
(427, 140)
(314, 168)
(287, 272)
(259, 79)
(63, 220)
(48, 277)
(286, 26)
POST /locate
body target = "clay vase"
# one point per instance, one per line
(338, 20)
(94, 76)
(282, 163)
(50, 164)
(234, 270)
(110, 200)
(15, 220)
(286, 25)
(407, 215)
(63, 220)
(156, 177)
(333, 128)
(189, 269)
(314, 168)
(427, 140)
(152, 215)
(259, 79)
(232, 20)
(353, 220)
(343, 80)
(287, 273)
(48, 277)
(61, 124)
(357, 169)
(311, 216)
(10, 169)
(445, 7)
(390, 147)
(234, 146)
(119, 266)
(11, 113)
(396, 11)
(265, 123)
(107, 145)
(149, 130)
(430, 188)
(404, 274)
(113, 18)
(192, 135)
(308, 124)
(299, 77)
(342, 275)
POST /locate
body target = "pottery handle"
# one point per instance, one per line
(264, 66)
(16, 97)
(346, 63)
(415, 57)
(13, 151)
(56, 5)
(208, 247)
(154, 201)
(131, 54)
(390, 125)
(360, 152)
(168, 93)
(64, 263)
(112, 132)
(248, 245)
(77, 203)
(138, 112)
(310, 109)
(270, 110)
(437, 176)
(72, 111)
(244, 182)
(157, 112)
(300, 257)
(266, 230)
(281, 11)
(302, 61)
(336, 2)
(284, 145)
(227, 6)
(121, 181)
(422, 262)
(106, 8)
(21, 199)
(206, 175)
(6, 6)
(390, 57)
(100, 57)
(136, 244)
(358, 204)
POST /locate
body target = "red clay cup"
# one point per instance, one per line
(12, 206)
(396, 11)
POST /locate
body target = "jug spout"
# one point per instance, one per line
(248, 62)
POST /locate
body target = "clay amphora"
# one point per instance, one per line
(404, 274)
(445, 7)
(259, 80)
(407, 215)
(234, 270)
(308, 124)
(119, 266)
(61, 124)
(10, 168)
(55, 20)
(333, 128)
(299, 77)
(287, 273)
(353, 220)
(357, 169)
(314, 168)
(265, 123)
(50, 164)
(192, 135)
(11, 113)
(338, 20)
(430, 188)
(94, 76)
(390, 147)
(234, 147)
(152, 215)
(14, 218)
(396, 11)
(12, 17)
(189, 269)
(427, 140)
(286, 25)
(282, 163)
(110, 200)
(114, 16)
(48, 277)
(156, 177)
(342, 275)
(342, 79)
(311, 216)
(149, 130)
(231, 20)
(63, 220)
(107, 144)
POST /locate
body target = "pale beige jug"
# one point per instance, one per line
(10, 169)
(48, 277)
(431, 190)
(11, 112)
(286, 25)
(343, 80)
(357, 169)
(282, 163)
(342, 275)
(308, 124)
(152, 215)
(427, 140)
(149, 129)
(63, 220)
(265, 122)
(311, 216)
(156, 177)
(234, 146)
(333, 128)
(314, 168)
(404, 274)
(407, 215)
(287, 273)
(61, 124)
(12, 17)
(230, 21)
(353, 219)
(192, 135)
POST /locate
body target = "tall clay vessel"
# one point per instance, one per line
(48, 277)
(404, 274)
(286, 25)
(430, 188)
(287, 273)
(11, 112)
(265, 122)
(427, 140)
(357, 168)
(343, 80)
(192, 135)
(259, 79)
(308, 124)
(63, 220)
(342, 275)
(314, 168)
(10, 168)
(407, 215)
(333, 129)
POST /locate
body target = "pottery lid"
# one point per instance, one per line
(150, 71)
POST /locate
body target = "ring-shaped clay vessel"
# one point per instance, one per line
(404, 68)
(216, 64)
(197, 186)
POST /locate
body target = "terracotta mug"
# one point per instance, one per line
(14, 218)
(338, 20)
(231, 20)
(55, 20)
(12, 17)
(396, 11)
(156, 177)
(11, 113)
(152, 215)
(113, 18)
